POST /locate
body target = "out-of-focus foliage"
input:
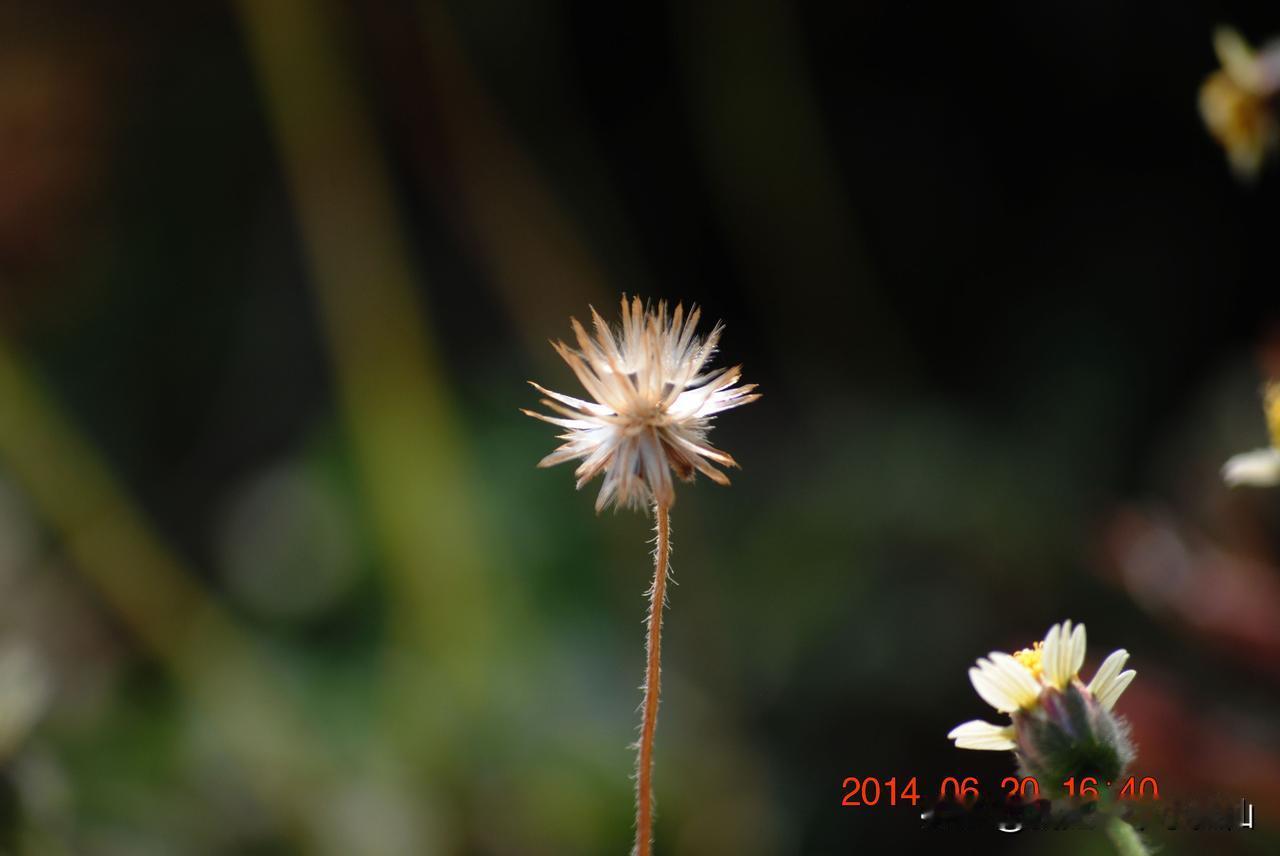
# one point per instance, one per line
(272, 277)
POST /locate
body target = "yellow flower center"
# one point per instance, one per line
(1030, 657)
(1271, 405)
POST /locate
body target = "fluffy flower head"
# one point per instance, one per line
(652, 401)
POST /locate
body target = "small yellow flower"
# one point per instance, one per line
(1234, 102)
(1261, 467)
(1016, 683)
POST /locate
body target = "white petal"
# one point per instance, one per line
(1259, 468)
(1108, 697)
(688, 403)
(729, 399)
(657, 471)
(1004, 683)
(976, 734)
(1051, 655)
(585, 406)
(593, 462)
(1026, 687)
(701, 449)
(991, 692)
(571, 424)
(1063, 653)
(1107, 671)
(1078, 644)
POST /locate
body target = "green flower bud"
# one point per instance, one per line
(1071, 735)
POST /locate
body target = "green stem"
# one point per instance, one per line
(652, 686)
(1126, 838)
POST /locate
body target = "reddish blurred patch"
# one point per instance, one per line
(1232, 602)
(1193, 753)
(55, 91)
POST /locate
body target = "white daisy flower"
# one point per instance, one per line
(653, 400)
(1017, 683)
(976, 734)
(1261, 467)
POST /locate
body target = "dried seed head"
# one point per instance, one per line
(653, 400)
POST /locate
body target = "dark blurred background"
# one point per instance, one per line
(273, 276)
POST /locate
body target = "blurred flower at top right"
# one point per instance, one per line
(1235, 101)
(1261, 467)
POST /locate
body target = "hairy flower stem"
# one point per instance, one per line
(1125, 838)
(652, 685)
